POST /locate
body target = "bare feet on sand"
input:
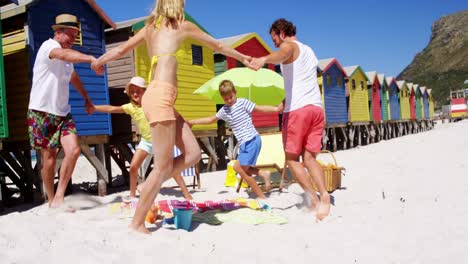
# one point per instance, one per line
(266, 175)
(324, 207)
(62, 207)
(139, 229)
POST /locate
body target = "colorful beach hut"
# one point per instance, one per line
(394, 97)
(25, 27)
(412, 101)
(418, 102)
(384, 101)
(357, 94)
(431, 103)
(425, 97)
(253, 45)
(404, 100)
(373, 87)
(331, 80)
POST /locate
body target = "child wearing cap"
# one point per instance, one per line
(135, 90)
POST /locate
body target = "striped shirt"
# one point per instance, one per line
(239, 117)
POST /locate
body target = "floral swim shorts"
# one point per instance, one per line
(46, 129)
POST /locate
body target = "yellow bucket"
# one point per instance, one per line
(231, 176)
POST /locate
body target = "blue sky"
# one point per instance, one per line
(376, 34)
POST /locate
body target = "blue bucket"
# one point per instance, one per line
(183, 218)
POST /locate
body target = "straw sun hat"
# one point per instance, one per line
(66, 21)
(137, 81)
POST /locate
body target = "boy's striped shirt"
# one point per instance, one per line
(239, 117)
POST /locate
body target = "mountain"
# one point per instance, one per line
(443, 65)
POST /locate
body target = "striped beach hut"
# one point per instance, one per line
(404, 100)
(253, 45)
(384, 101)
(373, 86)
(357, 94)
(394, 94)
(26, 26)
(332, 83)
(412, 101)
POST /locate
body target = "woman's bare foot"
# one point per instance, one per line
(266, 175)
(139, 229)
(62, 208)
(324, 206)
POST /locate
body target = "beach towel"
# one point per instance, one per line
(242, 215)
(126, 210)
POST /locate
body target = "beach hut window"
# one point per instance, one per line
(328, 80)
(197, 55)
(340, 81)
(353, 83)
(79, 37)
(362, 85)
(374, 88)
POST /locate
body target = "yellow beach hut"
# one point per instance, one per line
(357, 102)
(404, 100)
(357, 95)
(431, 104)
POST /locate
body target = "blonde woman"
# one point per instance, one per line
(165, 30)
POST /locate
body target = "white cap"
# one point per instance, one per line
(137, 81)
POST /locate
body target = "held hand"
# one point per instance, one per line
(89, 106)
(246, 61)
(97, 67)
(257, 63)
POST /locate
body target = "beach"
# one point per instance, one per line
(402, 201)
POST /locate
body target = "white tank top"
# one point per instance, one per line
(300, 80)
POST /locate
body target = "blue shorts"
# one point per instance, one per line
(146, 146)
(248, 152)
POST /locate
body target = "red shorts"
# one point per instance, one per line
(303, 128)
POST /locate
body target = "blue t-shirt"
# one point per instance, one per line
(239, 117)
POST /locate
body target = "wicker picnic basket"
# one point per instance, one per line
(332, 173)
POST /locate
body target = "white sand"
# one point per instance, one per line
(422, 219)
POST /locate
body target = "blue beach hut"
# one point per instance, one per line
(394, 98)
(332, 78)
(26, 25)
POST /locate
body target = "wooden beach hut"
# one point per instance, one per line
(404, 100)
(418, 102)
(25, 27)
(384, 107)
(384, 103)
(425, 97)
(253, 45)
(393, 95)
(373, 88)
(331, 79)
(412, 101)
(412, 106)
(357, 104)
(431, 103)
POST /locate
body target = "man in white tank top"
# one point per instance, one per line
(303, 118)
